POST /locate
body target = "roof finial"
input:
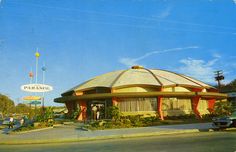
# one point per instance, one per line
(137, 67)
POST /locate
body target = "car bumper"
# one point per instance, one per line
(222, 124)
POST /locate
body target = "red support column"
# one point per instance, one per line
(211, 103)
(114, 101)
(83, 108)
(195, 101)
(159, 108)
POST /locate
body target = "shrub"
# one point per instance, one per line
(135, 120)
(223, 108)
(208, 117)
(125, 121)
(181, 117)
(114, 113)
(95, 124)
(75, 114)
(45, 116)
(108, 125)
(149, 120)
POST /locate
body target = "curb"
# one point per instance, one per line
(105, 137)
(230, 129)
(28, 131)
(35, 130)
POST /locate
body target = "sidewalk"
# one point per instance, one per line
(72, 133)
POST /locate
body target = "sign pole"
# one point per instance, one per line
(36, 87)
(44, 70)
(36, 68)
(36, 71)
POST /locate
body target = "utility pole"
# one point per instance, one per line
(218, 77)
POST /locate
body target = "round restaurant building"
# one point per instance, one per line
(141, 91)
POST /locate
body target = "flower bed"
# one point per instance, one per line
(139, 121)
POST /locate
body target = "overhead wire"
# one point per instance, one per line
(128, 25)
(126, 16)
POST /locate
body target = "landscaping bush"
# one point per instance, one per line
(133, 118)
(208, 117)
(114, 113)
(147, 121)
(75, 114)
(126, 121)
(45, 117)
(181, 117)
(108, 125)
(223, 108)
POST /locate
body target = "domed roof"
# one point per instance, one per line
(140, 76)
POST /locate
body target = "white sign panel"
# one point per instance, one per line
(36, 88)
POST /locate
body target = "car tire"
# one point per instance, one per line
(222, 129)
(234, 123)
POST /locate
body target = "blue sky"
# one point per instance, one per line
(79, 39)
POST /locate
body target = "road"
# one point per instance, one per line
(196, 142)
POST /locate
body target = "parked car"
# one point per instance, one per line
(226, 121)
(6, 121)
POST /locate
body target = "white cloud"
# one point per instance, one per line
(128, 61)
(199, 69)
(204, 69)
(216, 55)
(211, 62)
(165, 13)
(134, 61)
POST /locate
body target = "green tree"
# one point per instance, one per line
(45, 115)
(7, 106)
(223, 108)
(22, 108)
(114, 112)
(229, 87)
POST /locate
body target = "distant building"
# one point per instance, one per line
(142, 91)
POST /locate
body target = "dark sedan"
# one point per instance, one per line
(225, 122)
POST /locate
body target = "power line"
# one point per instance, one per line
(128, 25)
(126, 16)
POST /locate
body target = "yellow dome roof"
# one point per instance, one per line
(138, 75)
